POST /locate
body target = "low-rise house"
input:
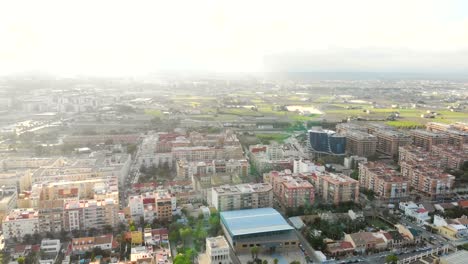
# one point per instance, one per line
(396, 239)
(451, 228)
(82, 244)
(340, 248)
(141, 253)
(416, 211)
(410, 235)
(50, 248)
(441, 207)
(24, 250)
(156, 237)
(366, 241)
(163, 256)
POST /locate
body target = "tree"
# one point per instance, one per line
(265, 261)
(295, 262)
(393, 259)
(20, 260)
(131, 149)
(28, 238)
(275, 261)
(185, 234)
(254, 251)
(108, 229)
(185, 257)
(174, 234)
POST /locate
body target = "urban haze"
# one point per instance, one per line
(234, 132)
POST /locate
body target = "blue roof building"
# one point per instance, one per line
(263, 227)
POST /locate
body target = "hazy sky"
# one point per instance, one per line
(130, 37)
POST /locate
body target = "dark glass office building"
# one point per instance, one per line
(326, 142)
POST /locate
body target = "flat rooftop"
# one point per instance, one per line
(217, 242)
(243, 188)
(428, 133)
(458, 257)
(252, 221)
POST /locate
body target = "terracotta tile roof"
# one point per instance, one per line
(463, 204)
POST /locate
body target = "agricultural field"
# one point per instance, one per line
(272, 105)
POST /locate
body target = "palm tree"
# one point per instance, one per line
(275, 261)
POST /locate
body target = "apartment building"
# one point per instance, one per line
(99, 139)
(165, 205)
(20, 222)
(360, 143)
(426, 139)
(441, 156)
(167, 148)
(291, 190)
(344, 128)
(159, 204)
(186, 170)
(388, 141)
(260, 157)
(242, 196)
(86, 214)
(336, 188)
(8, 199)
(427, 179)
(411, 153)
(51, 215)
(104, 165)
(457, 132)
(384, 181)
(307, 166)
(451, 157)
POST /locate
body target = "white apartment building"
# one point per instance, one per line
(20, 222)
(83, 215)
(306, 166)
(242, 196)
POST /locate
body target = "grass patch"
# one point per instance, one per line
(239, 112)
(323, 99)
(304, 118)
(377, 223)
(268, 138)
(154, 112)
(405, 124)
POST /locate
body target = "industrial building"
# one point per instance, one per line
(264, 228)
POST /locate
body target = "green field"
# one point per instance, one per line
(157, 113)
(276, 137)
(377, 223)
(269, 105)
(405, 124)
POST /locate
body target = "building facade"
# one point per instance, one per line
(242, 196)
